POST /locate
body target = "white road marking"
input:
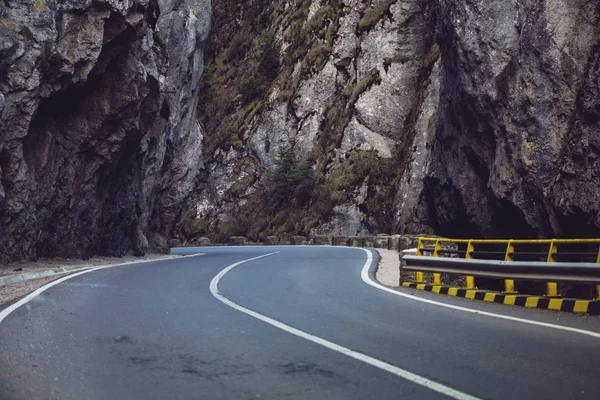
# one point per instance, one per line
(419, 380)
(88, 285)
(8, 310)
(367, 279)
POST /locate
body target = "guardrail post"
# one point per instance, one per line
(470, 282)
(437, 248)
(598, 285)
(420, 246)
(552, 287)
(437, 277)
(509, 284)
(419, 275)
(469, 279)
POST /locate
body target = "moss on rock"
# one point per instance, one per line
(374, 14)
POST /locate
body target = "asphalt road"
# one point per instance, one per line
(156, 331)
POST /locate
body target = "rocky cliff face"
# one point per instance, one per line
(462, 118)
(516, 150)
(466, 118)
(352, 94)
(98, 128)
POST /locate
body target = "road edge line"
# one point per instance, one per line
(402, 373)
(13, 307)
(367, 271)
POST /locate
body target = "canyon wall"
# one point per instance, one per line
(125, 124)
(99, 141)
(463, 118)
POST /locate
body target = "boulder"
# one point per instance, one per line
(238, 241)
(320, 240)
(299, 240)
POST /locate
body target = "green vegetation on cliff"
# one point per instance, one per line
(262, 49)
(240, 70)
(245, 62)
(375, 14)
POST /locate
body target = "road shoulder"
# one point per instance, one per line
(388, 270)
(19, 279)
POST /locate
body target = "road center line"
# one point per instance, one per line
(369, 281)
(419, 380)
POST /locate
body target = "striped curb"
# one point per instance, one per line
(569, 305)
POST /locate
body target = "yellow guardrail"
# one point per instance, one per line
(548, 250)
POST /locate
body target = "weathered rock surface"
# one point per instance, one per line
(99, 141)
(455, 117)
(516, 145)
(359, 105)
(462, 118)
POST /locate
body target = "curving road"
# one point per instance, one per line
(301, 323)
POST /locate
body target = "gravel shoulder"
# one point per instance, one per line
(388, 270)
(13, 291)
(44, 264)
